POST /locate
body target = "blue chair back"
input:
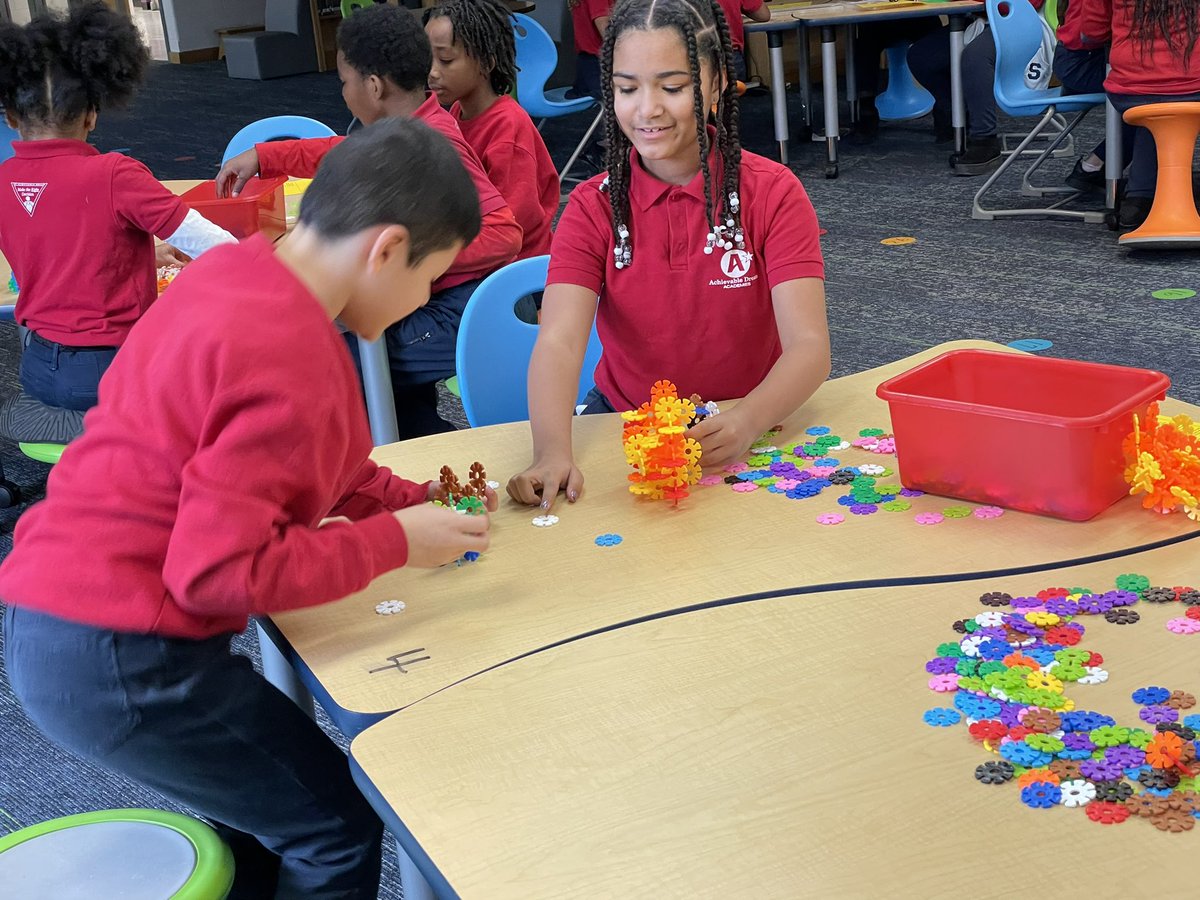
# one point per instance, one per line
(1017, 30)
(7, 136)
(494, 346)
(537, 58)
(272, 129)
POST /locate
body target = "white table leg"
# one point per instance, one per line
(377, 387)
(851, 76)
(412, 882)
(958, 111)
(279, 672)
(778, 92)
(1114, 156)
(829, 86)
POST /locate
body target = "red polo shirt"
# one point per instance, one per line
(517, 162)
(1136, 68)
(733, 10)
(78, 228)
(583, 17)
(495, 245)
(229, 425)
(704, 321)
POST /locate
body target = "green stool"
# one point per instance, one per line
(47, 453)
(134, 854)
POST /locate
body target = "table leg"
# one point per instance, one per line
(851, 75)
(377, 387)
(412, 882)
(958, 112)
(279, 672)
(1113, 159)
(778, 92)
(829, 89)
(804, 80)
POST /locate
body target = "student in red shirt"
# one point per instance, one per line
(1154, 58)
(474, 68)
(384, 60)
(226, 473)
(705, 258)
(589, 18)
(756, 11)
(76, 225)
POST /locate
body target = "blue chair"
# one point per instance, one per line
(7, 136)
(275, 128)
(1016, 28)
(904, 98)
(537, 58)
(494, 346)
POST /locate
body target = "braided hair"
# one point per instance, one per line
(56, 69)
(1176, 21)
(704, 31)
(485, 30)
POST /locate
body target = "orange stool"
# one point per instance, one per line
(1173, 221)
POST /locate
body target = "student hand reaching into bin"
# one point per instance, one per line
(236, 172)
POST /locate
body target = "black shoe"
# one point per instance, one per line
(1133, 212)
(1085, 181)
(866, 129)
(981, 156)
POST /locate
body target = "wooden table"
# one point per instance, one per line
(827, 16)
(537, 587)
(766, 749)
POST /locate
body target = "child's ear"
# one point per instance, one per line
(392, 245)
(89, 120)
(375, 87)
(13, 122)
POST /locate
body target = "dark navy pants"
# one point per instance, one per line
(196, 723)
(1143, 171)
(62, 376)
(929, 62)
(595, 403)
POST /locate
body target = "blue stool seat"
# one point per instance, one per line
(274, 128)
(904, 98)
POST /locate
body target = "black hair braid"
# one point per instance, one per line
(689, 37)
(56, 69)
(616, 157)
(1177, 21)
(485, 30)
(728, 114)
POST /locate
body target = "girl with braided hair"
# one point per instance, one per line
(705, 259)
(77, 225)
(1155, 58)
(474, 68)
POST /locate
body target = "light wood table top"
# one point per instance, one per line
(538, 586)
(841, 13)
(773, 748)
(8, 298)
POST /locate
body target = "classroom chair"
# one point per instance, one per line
(903, 98)
(494, 346)
(7, 136)
(1017, 30)
(286, 47)
(275, 128)
(537, 58)
(349, 6)
(135, 854)
(1173, 223)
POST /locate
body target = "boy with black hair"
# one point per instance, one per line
(384, 60)
(225, 473)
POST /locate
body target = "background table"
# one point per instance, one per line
(850, 15)
(773, 748)
(539, 586)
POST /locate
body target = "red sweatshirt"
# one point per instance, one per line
(1137, 67)
(518, 163)
(229, 425)
(499, 239)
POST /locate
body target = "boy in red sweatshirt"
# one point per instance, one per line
(384, 60)
(223, 474)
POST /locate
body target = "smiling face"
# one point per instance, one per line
(455, 74)
(654, 101)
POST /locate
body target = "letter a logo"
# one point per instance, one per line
(735, 263)
(28, 194)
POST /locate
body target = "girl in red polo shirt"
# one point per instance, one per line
(77, 225)
(474, 68)
(709, 275)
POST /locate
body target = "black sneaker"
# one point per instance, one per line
(1085, 181)
(981, 156)
(1133, 212)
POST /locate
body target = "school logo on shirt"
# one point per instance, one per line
(738, 269)
(28, 194)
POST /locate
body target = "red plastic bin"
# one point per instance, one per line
(259, 207)
(1032, 433)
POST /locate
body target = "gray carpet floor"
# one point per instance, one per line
(1066, 282)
